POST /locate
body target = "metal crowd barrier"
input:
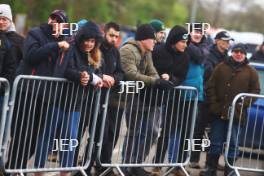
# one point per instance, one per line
(247, 112)
(148, 128)
(51, 125)
(4, 96)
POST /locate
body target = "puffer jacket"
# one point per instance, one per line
(41, 52)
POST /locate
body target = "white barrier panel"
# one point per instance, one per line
(51, 125)
(148, 128)
(247, 116)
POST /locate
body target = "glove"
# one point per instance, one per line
(163, 84)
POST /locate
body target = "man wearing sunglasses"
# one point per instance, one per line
(229, 78)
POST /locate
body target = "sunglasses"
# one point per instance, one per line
(238, 51)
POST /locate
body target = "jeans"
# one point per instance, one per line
(143, 129)
(218, 136)
(63, 126)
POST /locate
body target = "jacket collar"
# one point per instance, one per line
(235, 65)
(138, 46)
(217, 53)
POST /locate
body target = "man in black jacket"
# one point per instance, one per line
(44, 46)
(217, 53)
(258, 56)
(112, 75)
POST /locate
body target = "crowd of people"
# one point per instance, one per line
(89, 57)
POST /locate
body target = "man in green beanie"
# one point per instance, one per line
(159, 28)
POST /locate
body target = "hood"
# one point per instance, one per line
(134, 43)
(175, 35)
(87, 31)
(47, 30)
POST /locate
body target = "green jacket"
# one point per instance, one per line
(136, 65)
(228, 81)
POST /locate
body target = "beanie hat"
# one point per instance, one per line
(145, 31)
(177, 33)
(5, 11)
(240, 47)
(60, 15)
(157, 25)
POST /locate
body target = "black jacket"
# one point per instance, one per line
(41, 52)
(258, 57)
(212, 59)
(75, 60)
(167, 60)
(111, 66)
(17, 42)
(7, 59)
(111, 62)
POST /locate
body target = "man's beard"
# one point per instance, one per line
(108, 44)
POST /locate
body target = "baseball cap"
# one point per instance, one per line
(223, 35)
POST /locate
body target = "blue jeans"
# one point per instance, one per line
(218, 136)
(141, 135)
(173, 151)
(62, 126)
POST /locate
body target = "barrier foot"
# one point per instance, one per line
(168, 171)
(237, 173)
(120, 171)
(83, 172)
(180, 167)
(185, 171)
(106, 171)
